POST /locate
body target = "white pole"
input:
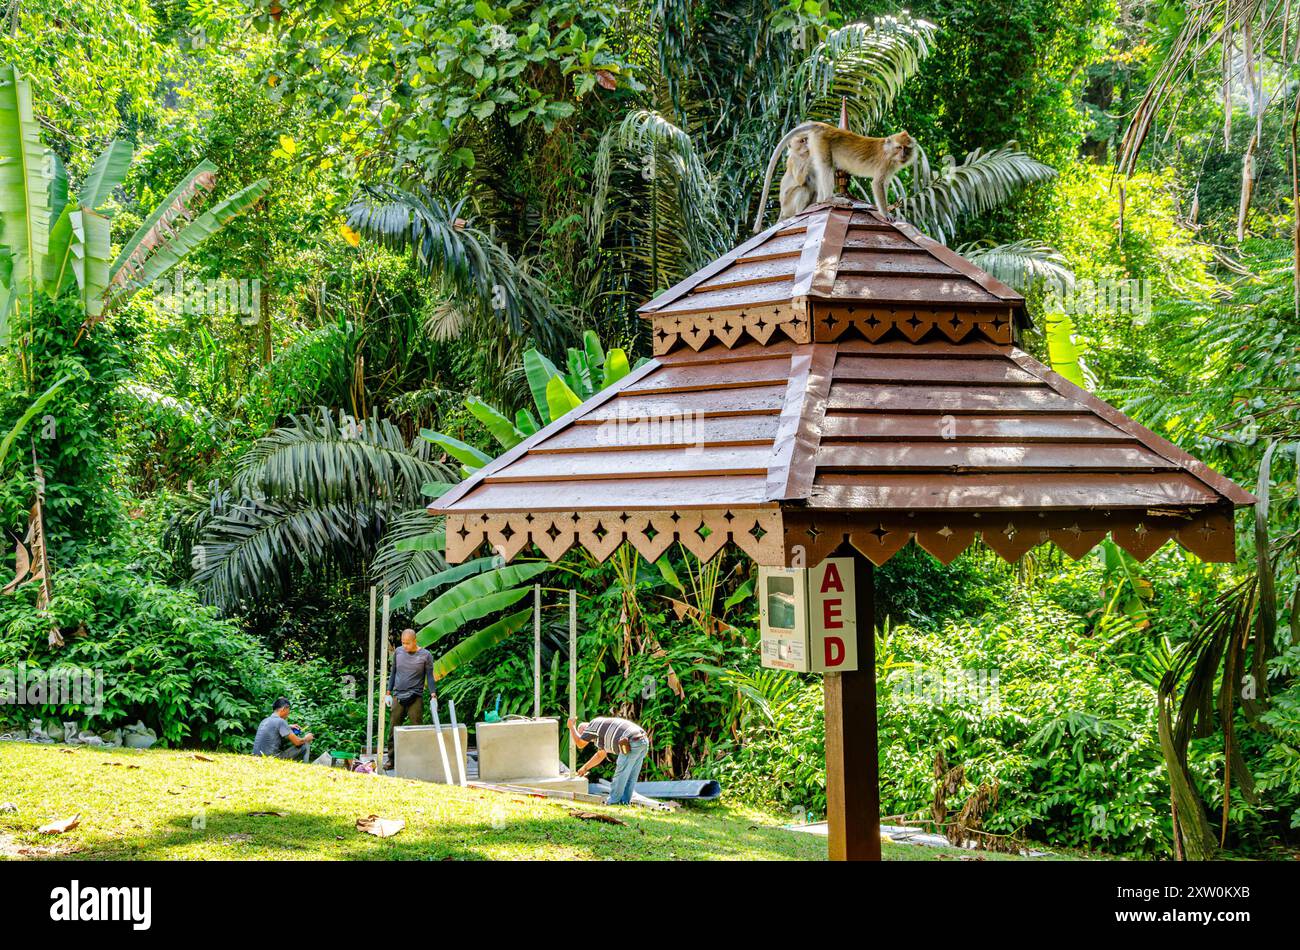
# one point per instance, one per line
(442, 745)
(537, 651)
(383, 684)
(455, 741)
(370, 681)
(573, 673)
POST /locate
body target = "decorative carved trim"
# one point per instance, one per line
(811, 537)
(873, 322)
(703, 532)
(727, 326)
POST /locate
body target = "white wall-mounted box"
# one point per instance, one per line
(809, 617)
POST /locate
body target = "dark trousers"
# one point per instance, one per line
(410, 713)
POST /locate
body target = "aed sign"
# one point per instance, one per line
(809, 617)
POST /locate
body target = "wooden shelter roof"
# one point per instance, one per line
(889, 408)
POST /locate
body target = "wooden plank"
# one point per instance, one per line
(870, 369)
(974, 456)
(864, 239)
(628, 494)
(1030, 492)
(1219, 483)
(684, 378)
(650, 462)
(967, 349)
(788, 243)
(724, 430)
(447, 500)
(684, 285)
(921, 398)
(870, 426)
(918, 289)
(733, 298)
(867, 262)
(752, 272)
(718, 402)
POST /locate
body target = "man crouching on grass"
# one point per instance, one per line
(621, 736)
(275, 728)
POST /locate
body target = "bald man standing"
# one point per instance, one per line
(412, 671)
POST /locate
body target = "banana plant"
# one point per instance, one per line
(55, 242)
(589, 370)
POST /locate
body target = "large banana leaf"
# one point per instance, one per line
(502, 429)
(473, 645)
(170, 251)
(539, 372)
(451, 575)
(560, 399)
(179, 202)
(28, 172)
(96, 188)
(462, 452)
(475, 598)
(453, 620)
(91, 247)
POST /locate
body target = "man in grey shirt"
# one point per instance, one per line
(274, 729)
(412, 671)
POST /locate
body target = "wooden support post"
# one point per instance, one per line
(537, 651)
(383, 683)
(573, 673)
(852, 766)
(370, 681)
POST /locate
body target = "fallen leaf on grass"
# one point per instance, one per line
(61, 826)
(380, 827)
(266, 814)
(239, 837)
(203, 758)
(69, 751)
(124, 765)
(7, 807)
(596, 816)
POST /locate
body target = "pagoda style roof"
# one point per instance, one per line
(892, 404)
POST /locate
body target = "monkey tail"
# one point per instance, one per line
(771, 168)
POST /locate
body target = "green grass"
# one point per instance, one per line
(174, 806)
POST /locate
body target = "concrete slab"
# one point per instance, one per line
(518, 748)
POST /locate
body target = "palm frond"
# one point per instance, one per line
(980, 182)
(257, 548)
(472, 267)
(867, 62)
(1023, 265)
(326, 459)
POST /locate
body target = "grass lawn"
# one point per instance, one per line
(170, 805)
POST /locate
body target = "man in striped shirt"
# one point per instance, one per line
(620, 736)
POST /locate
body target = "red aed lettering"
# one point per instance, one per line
(831, 615)
(834, 651)
(831, 579)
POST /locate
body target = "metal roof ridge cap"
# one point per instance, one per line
(443, 503)
(1188, 463)
(792, 474)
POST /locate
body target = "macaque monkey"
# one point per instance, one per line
(817, 150)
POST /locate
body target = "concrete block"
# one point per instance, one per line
(416, 755)
(518, 748)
